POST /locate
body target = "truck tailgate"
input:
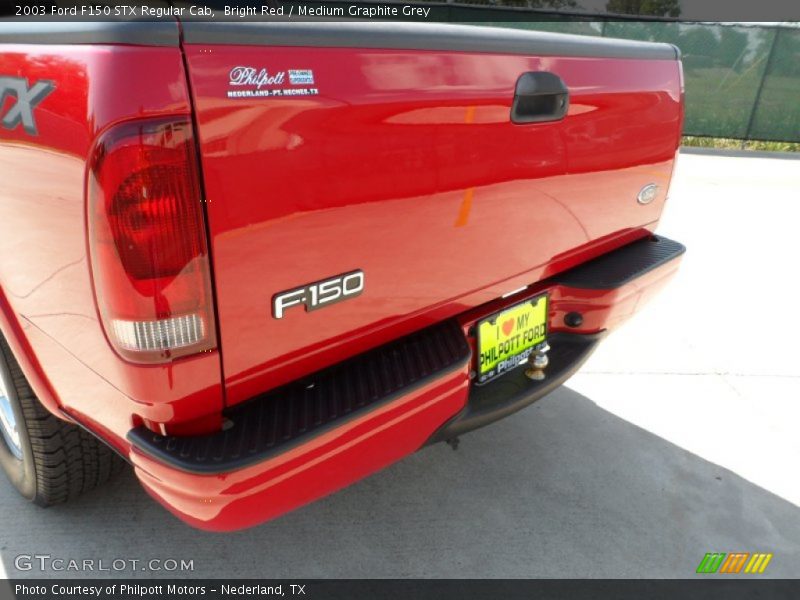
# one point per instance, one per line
(329, 148)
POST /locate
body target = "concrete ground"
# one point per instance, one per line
(679, 437)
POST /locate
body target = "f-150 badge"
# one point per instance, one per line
(320, 293)
(262, 83)
(26, 100)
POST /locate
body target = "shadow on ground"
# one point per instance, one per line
(562, 489)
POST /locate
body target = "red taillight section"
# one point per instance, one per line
(147, 241)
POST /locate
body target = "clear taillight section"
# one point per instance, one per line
(147, 241)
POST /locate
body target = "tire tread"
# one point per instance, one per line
(68, 461)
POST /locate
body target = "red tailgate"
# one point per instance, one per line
(406, 166)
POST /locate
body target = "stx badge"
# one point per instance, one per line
(26, 97)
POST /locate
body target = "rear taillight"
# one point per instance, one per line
(147, 241)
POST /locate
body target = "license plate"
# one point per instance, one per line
(508, 338)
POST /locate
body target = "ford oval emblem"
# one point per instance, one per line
(647, 194)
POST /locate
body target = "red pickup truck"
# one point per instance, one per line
(262, 260)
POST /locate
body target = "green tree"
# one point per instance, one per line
(656, 8)
(699, 46)
(786, 60)
(732, 48)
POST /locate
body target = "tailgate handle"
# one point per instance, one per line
(539, 96)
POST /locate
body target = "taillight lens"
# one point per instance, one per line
(147, 241)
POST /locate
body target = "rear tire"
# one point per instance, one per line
(48, 460)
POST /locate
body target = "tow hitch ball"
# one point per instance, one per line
(538, 362)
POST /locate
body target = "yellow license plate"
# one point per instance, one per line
(507, 339)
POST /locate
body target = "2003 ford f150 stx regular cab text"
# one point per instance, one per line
(263, 260)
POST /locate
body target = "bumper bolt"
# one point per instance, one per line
(540, 361)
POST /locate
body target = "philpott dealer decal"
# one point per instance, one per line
(252, 82)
